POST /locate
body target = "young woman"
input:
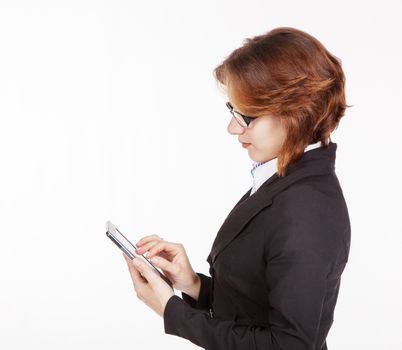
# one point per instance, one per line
(277, 260)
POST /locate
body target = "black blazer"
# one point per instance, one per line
(275, 265)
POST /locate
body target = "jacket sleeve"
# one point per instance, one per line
(203, 302)
(296, 271)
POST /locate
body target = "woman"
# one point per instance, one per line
(277, 260)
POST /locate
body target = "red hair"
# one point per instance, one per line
(288, 73)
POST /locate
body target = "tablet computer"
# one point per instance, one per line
(129, 248)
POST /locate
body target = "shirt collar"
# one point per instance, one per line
(262, 171)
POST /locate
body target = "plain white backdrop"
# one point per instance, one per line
(109, 111)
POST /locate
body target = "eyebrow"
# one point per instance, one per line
(244, 115)
(235, 109)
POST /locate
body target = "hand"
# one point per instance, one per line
(149, 286)
(172, 259)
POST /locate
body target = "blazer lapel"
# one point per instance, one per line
(315, 162)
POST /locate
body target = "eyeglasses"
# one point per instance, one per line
(242, 119)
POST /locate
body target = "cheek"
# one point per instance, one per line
(268, 133)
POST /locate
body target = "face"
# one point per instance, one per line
(265, 136)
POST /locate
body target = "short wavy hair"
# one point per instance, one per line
(288, 73)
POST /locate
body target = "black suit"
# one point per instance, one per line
(276, 265)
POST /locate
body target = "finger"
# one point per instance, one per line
(135, 273)
(146, 271)
(146, 246)
(147, 239)
(169, 247)
(126, 257)
(165, 264)
(128, 260)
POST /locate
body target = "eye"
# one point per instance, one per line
(248, 120)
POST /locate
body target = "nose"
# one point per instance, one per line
(234, 128)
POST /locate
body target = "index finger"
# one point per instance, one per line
(168, 247)
(147, 239)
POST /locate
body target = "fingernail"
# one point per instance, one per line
(155, 260)
(136, 262)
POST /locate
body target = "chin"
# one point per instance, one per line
(263, 159)
(257, 159)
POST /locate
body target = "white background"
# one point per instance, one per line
(109, 110)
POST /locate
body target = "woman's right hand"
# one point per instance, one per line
(172, 259)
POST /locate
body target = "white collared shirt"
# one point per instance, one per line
(262, 171)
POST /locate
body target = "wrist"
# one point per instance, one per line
(194, 289)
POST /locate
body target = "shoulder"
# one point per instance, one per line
(309, 215)
(317, 195)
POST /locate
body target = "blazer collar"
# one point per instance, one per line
(318, 161)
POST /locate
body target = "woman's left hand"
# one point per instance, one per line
(150, 288)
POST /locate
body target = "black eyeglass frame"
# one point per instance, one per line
(246, 119)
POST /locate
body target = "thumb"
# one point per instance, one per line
(163, 263)
(144, 269)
